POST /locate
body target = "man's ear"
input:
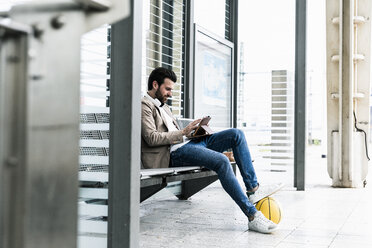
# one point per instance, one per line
(155, 85)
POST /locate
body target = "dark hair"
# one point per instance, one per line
(159, 74)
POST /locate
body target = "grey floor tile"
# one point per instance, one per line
(355, 241)
(309, 239)
(321, 216)
(298, 245)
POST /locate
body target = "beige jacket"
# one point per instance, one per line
(156, 140)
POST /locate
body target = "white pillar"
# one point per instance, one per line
(348, 90)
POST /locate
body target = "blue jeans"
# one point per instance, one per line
(207, 152)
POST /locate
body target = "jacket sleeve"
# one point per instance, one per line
(151, 135)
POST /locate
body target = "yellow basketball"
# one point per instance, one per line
(270, 208)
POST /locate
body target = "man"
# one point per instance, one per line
(164, 144)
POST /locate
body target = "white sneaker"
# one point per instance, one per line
(265, 191)
(261, 224)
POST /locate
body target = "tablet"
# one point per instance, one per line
(204, 121)
(202, 129)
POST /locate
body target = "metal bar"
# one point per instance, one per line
(189, 61)
(190, 176)
(148, 191)
(109, 11)
(346, 106)
(13, 120)
(125, 130)
(40, 152)
(300, 96)
(52, 135)
(234, 5)
(192, 186)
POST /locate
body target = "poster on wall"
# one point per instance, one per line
(213, 78)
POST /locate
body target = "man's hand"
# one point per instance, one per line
(192, 126)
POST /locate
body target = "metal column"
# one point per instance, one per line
(52, 132)
(39, 125)
(13, 78)
(189, 60)
(348, 90)
(234, 21)
(300, 96)
(125, 130)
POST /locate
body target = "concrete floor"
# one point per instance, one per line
(320, 216)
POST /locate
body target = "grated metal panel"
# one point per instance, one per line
(94, 151)
(102, 117)
(105, 134)
(87, 118)
(93, 134)
(93, 167)
(95, 118)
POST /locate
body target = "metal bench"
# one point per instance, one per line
(94, 177)
(93, 171)
(193, 179)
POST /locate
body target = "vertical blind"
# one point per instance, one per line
(163, 45)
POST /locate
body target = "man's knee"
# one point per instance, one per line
(222, 162)
(237, 133)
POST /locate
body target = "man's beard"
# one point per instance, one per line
(159, 96)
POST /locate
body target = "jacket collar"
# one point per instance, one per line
(165, 107)
(155, 101)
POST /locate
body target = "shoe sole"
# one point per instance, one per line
(263, 232)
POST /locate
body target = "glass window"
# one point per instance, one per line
(213, 78)
(266, 80)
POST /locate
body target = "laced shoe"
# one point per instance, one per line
(261, 224)
(264, 191)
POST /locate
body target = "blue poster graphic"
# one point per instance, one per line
(215, 79)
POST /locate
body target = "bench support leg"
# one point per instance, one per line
(149, 191)
(190, 187)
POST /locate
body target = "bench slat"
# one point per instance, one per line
(167, 171)
(93, 210)
(84, 109)
(94, 126)
(91, 242)
(92, 226)
(85, 159)
(94, 143)
(145, 173)
(93, 176)
(186, 168)
(93, 193)
(156, 172)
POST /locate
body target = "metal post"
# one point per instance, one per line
(189, 60)
(13, 78)
(234, 10)
(52, 135)
(39, 120)
(125, 130)
(346, 105)
(348, 91)
(300, 96)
